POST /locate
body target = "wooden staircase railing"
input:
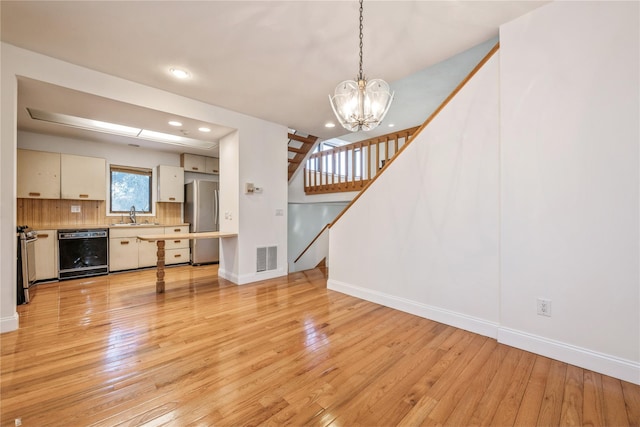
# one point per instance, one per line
(350, 167)
(298, 147)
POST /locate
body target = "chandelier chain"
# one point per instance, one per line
(361, 76)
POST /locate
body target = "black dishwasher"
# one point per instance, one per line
(83, 253)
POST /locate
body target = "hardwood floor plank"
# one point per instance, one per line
(571, 412)
(490, 402)
(631, 394)
(109, 351)
(508, 408)
(529, 409)
(615, 411)
(593, 400)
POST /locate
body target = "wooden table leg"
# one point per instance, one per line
(160, 269)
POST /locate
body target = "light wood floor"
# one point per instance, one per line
(108, 351)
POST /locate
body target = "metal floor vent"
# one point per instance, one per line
(267, 258)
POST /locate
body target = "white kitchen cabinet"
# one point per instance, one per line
(148, 252)
(46, 255)
(38, 175)
(212, 165)
(193, 163)
(127, 252)
(176, 250)
(170, 184)
(83, 178)
(123, 253)
(200, 164)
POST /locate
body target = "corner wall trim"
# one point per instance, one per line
(448, 317)
(8, 324)
(623, 369)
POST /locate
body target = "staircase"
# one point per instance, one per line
(298, 146)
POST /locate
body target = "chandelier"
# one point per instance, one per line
(361, 104)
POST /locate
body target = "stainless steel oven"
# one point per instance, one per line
(83, 253)
(26, 262)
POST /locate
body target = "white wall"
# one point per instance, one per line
(569, 197)
(305, 222)
(8, 243)
(424, 237)
(251, 134)
(570, 184)
(263, 162)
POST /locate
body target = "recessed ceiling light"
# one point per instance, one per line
(179, 73)
(391, 125)
(175, 123)
(330, 125)
(204, 129)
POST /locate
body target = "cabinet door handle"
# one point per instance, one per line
(124, 242)
(176, 241)
(177, 230)
(34, 194)
(84, 196)
(172, 198)
(194, 168)
(177, 256)
(42, 236)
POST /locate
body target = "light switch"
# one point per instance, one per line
(279, 212)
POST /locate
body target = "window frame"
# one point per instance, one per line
(130, 170)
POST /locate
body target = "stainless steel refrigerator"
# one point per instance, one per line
(201, 209)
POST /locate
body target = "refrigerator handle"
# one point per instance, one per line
(216, 202)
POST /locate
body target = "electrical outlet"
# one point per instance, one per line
(544, 307)
(75, 208)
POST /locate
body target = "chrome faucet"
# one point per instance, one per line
(132, 214)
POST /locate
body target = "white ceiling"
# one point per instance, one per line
(276, 60)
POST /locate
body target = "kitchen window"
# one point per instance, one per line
(130, 186)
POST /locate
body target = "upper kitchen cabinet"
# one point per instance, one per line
(212, 165)
(83, 178)
(192, 163)
(170, 184)
(199, 164)
(38, 175)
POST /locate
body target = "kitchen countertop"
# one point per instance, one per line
(94, 226)
(203, 235)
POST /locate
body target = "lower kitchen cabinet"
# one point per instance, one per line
(176, 250)
(147, 253)
(123, 253)
(127, 252)
(46, 255)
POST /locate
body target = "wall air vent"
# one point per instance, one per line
(267, 258)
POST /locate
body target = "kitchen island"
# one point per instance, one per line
(160, 240)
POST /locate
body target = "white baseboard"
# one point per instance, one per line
(459, 320)
(251, 277)
(603, 363)
(263, 275)
(8, 324)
